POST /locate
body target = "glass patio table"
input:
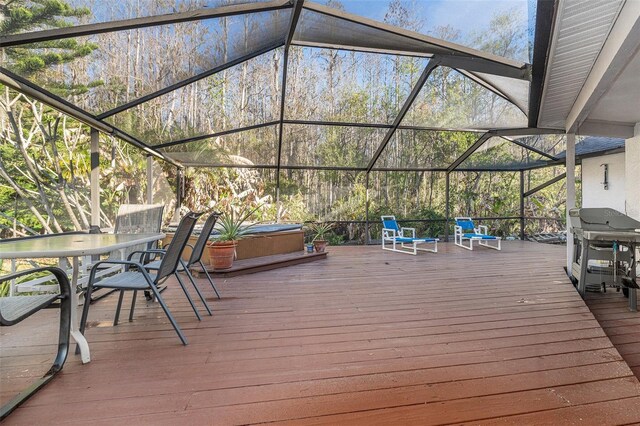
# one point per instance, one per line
(73, 246)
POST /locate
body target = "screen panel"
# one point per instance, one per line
(247, 148)
(334, 146)
(326, 195)
(104, 71)
(410, 148)
(449, 100)
(244, 95)
(232, 189)
(489, 195)
(545, 209)
(418, 199)
(493, 26)
(98, 11)
(498, 153)
(340, 86)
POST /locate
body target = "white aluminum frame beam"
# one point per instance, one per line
(571, 194)
(95, 177)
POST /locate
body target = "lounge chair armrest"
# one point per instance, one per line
(389, 231)
(412, 230)
(483, 229)
(457, 229)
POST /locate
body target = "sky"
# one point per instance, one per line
(464, 14)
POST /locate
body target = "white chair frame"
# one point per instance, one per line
(458, 236)
(390, 236)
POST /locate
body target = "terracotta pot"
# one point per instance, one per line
(221, 254)
(320, 245)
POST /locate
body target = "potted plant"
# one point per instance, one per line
(309, 247)
(231, 228)
(320, 231)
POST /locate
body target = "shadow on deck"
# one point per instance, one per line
(364, 336)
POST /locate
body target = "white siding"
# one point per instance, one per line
(632, 150)
(593, 192)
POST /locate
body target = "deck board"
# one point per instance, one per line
(362, 337)
(623, 327)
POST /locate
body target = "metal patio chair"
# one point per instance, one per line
(137, 219)
(140, 279)
(197, 250)
(14, 309)
(131, 219)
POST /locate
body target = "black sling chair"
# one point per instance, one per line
(140, 280)
(196, 255)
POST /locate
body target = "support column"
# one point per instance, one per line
(278, 206)
(95, 177)
(447, 207)
(522, 205)
(179, 194)
(366, 210)
(632, 192)
(632, 174)
(571, 193)
(149, 179)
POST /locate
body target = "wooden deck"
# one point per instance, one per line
(623, 327)
(261, 264)
(363, 337)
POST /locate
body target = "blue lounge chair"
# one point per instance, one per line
(466, 230)
(403, 240)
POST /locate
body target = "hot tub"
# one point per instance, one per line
(264, 240)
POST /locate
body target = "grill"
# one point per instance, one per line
(605, 254)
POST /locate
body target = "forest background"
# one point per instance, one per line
(45, 159)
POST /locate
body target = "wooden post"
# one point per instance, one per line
(95, 177)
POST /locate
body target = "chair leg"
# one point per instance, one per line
(209, 278)
(85, 309)
(85, 312)
(168, 313)
(193, 306)
(193, 281)
(63, 334)
(117, 317)
(133, 304)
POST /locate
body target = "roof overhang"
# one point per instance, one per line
(591, 82)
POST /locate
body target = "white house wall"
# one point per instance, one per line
(632, 149)
(593, 192)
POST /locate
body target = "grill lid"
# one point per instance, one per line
(602, 219)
